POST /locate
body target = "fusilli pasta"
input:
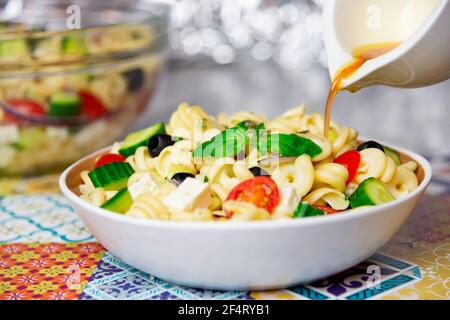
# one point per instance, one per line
(252, 184)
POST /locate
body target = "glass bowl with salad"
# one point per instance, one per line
(66, 92)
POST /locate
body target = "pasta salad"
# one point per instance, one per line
(65, 95)
(244, 167)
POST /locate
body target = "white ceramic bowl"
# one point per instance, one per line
(245, 255)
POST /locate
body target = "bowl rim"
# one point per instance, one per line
(247, 225)
(164, 9)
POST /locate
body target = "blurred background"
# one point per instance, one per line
(268, 56)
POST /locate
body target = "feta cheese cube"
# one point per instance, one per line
(9, 134)
(189, 195)
(288, 202)
(7, 155)
(144, 184)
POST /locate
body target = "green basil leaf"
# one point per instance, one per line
(287, 145)
(306, 210)
(228, 143)
(260, 127)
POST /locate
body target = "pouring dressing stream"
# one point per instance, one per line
(402, 43)
(361, 55)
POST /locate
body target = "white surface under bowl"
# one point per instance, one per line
(256, 255)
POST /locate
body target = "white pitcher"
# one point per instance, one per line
(421, 26)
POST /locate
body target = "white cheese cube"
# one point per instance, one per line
(9, 134)
(288, 202)
(189, 195)
(7, 154)
(144, 184)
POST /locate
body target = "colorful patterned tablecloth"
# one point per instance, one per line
(47, 253)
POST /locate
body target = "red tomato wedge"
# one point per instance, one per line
(91, 106)
(261, 191)
(24, 106)
(27, 106)
(109, 158)
(350, 160)
(326, 209)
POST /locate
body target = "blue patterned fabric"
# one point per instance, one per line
(49, 218)
(40, 218)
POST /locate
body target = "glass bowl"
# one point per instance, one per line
(67, 92)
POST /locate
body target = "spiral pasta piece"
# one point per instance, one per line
(314, 124)
(222, 176)
(147, 206)
(110, 89)
(324, 196)
(245, 211)
(241, 116)
(332, 175)
(324, 144)
(288, 122)
(141, 160)
(411, 165)
(115, 148)
(199, 214)
(96, 196)
(405, 180)
(91, 194)
(374, 163)
(177, 155)
(190, 122)
(345, 139)
(299, 175)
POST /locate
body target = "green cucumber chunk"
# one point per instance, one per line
(64, 104)
(140, 138)
(74, 45)
(111, 176)
(370, 193)
(393, 154)
(14, 47)
(120, 203)
(306, 210)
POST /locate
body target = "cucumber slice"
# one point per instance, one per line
(393, 154)
(111, 176)
(369, 193)
(120, 203)
(306, 210)
(140, 138)
(15, 47)
(64, 104)
(74, 45)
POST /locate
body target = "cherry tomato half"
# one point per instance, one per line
(109, 158)
(28, 107)
(262, 191)
(24, 106)
(326, 209)
(91, 106)
(350, 160)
